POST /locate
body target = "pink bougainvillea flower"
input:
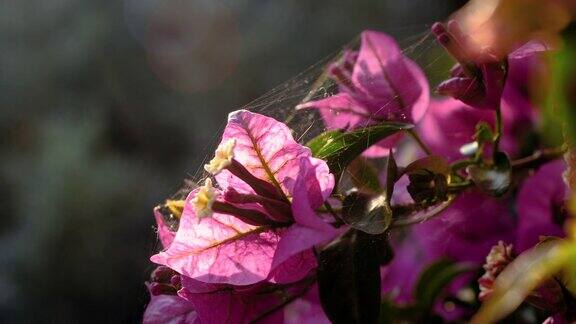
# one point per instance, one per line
(400, 276)
(467, 230)
(170, 309)
(306, 310)
(449, 124)
(541, 205)
(262, 302)
(464, 232)
(262, 222)
(480, 77)
(165, 305)
(377, 83)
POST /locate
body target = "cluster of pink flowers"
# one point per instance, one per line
(247, 242)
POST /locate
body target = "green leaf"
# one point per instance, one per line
(340, 148)
(391, 176)
(364, 176)
(433, 163)
(428, 179)
(558, 113)
(349, 279)
(369, 214)
(434, 279)
(492, 179)
(387, 313)
(483, 133)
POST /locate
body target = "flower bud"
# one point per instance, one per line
(499, 257)
(426, 186)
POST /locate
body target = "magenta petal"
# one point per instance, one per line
(306, 310)
(295, 265)
(384, 86)
(462, 88)
(530, 48)
(168, 309)
(421, 103)
(383, 147)
(467, 230)
(540, 197)
(392, 85)
(165, 235)
(449, 124)
(265, 147)
(225, 305)
(341, 111)
(296, 240)
(260, 303)
(400, 276)
(219, 249)
(312, 187)
(314, 183)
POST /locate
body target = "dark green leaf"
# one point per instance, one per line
(349, 279)
(483, 133)
(364, 176)
(340, 148)
(370, 214)
(492, 179)
(432, 163)
(426, 187)
(391, 176)
(434, 279)
(428, 182)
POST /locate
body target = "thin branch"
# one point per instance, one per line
(539, 158)
(424, 217)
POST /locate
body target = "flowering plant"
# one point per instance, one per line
(407, 208)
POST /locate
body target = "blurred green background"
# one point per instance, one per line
(105, 106)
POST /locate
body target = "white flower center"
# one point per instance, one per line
(222, 157)
(204, 199)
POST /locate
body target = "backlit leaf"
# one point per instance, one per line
(340, 148)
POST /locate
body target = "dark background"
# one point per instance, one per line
(105, 106)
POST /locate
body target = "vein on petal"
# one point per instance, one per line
(397, 98)
(263, 161)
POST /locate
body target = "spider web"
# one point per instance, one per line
(313, 84)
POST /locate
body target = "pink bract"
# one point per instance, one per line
(468, 229)
(382, 85)
(222, 248)
(449, 124)
(170, 309)
(496, 87)
(541, 205)
(263, 302)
